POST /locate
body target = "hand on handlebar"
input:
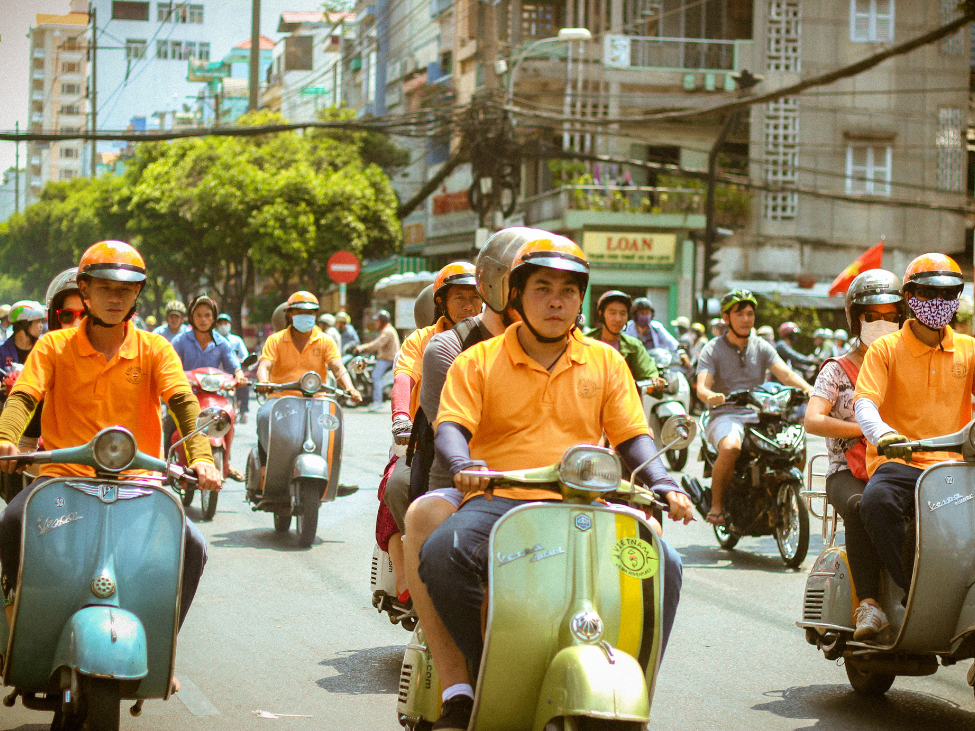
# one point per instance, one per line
(681, 507)
(715, 400)
(892, 446)
(208, 477)
(10, 466)
(354, 395)
(471, 483)
(264, 388)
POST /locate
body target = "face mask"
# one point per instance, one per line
(223, 329)
(935, 313)
(303, 323)
(643, 319)
(871, 331)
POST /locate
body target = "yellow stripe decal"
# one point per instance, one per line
(631, 595)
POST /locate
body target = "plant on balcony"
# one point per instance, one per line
(732, 203)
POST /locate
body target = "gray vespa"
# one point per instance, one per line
(304, 456)
(937, 622)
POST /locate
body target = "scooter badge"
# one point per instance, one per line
(635, 557)
(329, 422)
(583, 522)
(587, 626)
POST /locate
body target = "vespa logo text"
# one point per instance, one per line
(46, 525)
(955, 499)
(537, 553)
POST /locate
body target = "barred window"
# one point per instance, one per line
(70, 89)
(784, 35)
(204, 53)
(951, 152)
(162, 50)
(196, 14)
(868, 169)
(135, 48)
(781, 157)
(871, 21)
(953, 45)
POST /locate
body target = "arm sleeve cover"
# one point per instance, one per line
(185, 409)
(867, 416)
(451, 445)
(402, 386)
(16, 415)
(638, 450)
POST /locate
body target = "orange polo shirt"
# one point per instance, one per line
(921, 392)
(288, 365)
(83, 393)
(522, 416)
(410, 358)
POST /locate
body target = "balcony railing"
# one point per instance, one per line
(612, 198)
(683, 54)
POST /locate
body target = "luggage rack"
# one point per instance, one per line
(815, 491)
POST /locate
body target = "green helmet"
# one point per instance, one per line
(735, 297)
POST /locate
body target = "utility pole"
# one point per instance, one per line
(17, 169)
(254, 102)
(93, 90)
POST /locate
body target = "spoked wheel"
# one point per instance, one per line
(677, 458)
(792, 531)
(726, 539)
(306, 520)
(867, 681)
(208, 498)
(187, 497)
(102, 700)
(282, 520)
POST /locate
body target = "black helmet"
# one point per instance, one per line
(872, 287)
(384, 316)
(613, 295)
(642, 303)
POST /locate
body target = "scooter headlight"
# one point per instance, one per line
(211, 382)
(773, 403)
(592, 469)
(311, 382)
(113, 449)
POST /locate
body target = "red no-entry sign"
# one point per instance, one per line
(343, 267)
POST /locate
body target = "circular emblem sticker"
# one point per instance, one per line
(134, 375)
(329, 422)
(635, 557)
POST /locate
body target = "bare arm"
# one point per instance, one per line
(820, 423)
(704, 382)
(263, 374)
(342, 377)
(789, 377)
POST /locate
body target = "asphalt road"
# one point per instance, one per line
(289, 631)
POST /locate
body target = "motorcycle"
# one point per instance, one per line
(674, 400)
(304, 456)
(97, 603)
(938, 620)
(590, 578)
(764, 497)
(360, 371)
(212, 387)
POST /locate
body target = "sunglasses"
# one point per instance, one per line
(876, 316)
(66, 317)
(933, 293)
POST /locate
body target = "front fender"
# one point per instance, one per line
(103, 641)
(581, 681)
(311, 466)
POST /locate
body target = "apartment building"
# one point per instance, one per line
(58, 98)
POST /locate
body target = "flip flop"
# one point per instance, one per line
(716, 518)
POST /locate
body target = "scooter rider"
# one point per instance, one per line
(648, 331)
(350, 338)
(874, 307)
(385, 346)
(738, 360)
(27, 317)
(915, 383)
(518, 401)
(64, 305)
(292, 352)
(788, 334)
(104, 373)
(175, 321)
(240, 350)
(613, 311)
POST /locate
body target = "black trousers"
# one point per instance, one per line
(887, 503)
(844, 492)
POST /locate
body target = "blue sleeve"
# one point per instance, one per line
(638, 450)
(230, 357)
(669, 339)
(177, 343)
(452, 448)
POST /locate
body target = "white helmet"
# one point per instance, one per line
(27, 311)
(841, 336)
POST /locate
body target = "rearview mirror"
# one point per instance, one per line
(249, 361)
(678, 431)
(214, 422)
(357, 364)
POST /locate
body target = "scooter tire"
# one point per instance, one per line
(189, 492)
(306, 520)
(677, 458)
(792, 532)
(726, 539)
(866, 681)
(103, 701)
(208, 498)
(282, 521)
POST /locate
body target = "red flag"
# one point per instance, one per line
(870, 259)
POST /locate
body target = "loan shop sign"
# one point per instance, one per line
(614, 247)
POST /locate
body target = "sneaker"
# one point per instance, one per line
(871, 621)
(455, 715)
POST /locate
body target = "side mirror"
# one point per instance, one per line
(249, 361)
(214, 421)
(678, 431)
(357, 364)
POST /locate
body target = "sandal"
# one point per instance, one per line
(716, 518)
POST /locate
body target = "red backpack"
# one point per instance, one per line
(856, 457)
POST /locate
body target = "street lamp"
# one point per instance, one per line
(565, 35)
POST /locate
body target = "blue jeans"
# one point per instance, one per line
(887, 502)
(378, 371)
(453, 565)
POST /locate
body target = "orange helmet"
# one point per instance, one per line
(552, 252)
(302, 300)
(934, 270)
(457, 272)
(114, 260)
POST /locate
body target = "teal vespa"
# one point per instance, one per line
(97, 606)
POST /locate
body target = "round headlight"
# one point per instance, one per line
(211, 382)
(113, 449)
(594, 469)
(311, 382)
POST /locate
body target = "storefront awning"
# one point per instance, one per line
(791, 294)
(374, 270)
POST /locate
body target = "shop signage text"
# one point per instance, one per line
(614, 247)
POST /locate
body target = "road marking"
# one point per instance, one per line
(193, 698)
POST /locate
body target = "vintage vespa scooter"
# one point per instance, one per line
(304, 456)
(938, 622)
(673, 400)
(98, 594)
(589, 578)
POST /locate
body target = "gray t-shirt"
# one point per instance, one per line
(736, 369)
(440, 352)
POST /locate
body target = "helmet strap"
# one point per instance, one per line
(516, 303)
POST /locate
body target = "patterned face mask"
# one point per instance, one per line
(935, 313)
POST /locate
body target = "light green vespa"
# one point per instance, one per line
(574, 606)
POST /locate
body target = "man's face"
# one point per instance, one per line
(615, 316)
(551, 302)
(340, 325)
(462, 301)
(741, 319)
(109, 301)
(202, 318)
(35, 328)
(175, 320)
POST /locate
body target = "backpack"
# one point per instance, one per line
(856, 457)
(420, 452)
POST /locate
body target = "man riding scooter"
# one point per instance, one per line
(175, 321)
(240, 350)
(612, 312)
(102, 373)
(915, 383)
(518, 401)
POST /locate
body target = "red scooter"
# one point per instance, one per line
(212, 387)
